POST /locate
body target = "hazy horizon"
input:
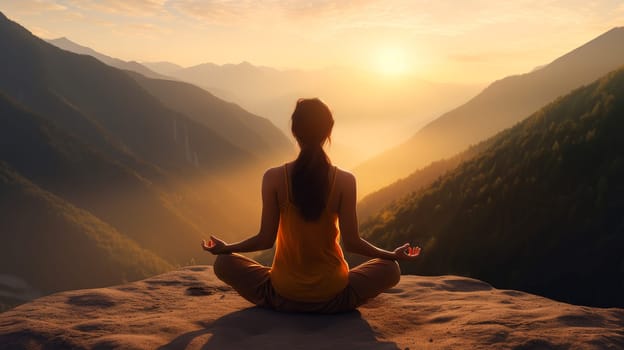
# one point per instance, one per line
(438, 41)
(370, 60)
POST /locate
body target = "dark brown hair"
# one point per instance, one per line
(312, 124)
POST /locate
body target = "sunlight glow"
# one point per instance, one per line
(392, 61)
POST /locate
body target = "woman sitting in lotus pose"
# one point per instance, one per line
(307, 205)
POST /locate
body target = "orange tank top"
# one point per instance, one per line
(309, 265)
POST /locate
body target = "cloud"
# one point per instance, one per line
(121, 7)
(420, 16)
(484, 56)
(36, 6)
(244, 11)
(443, 17)
(216, 11)
(140, 30)
(456, 18)
(322, 7)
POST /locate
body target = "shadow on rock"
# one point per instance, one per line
(257, 328)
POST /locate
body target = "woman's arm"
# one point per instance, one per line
(265, 238)
(350, 233)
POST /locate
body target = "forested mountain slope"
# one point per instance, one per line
(91, 159)
(72, 170)
(374, 202)
(540, 210)
(105, 107)
(108, 110)
(49, 245)
(250, 132)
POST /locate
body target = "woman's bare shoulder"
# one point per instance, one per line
(274, 173)
(344, 177)
(343, 172)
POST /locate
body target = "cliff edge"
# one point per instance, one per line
(191, 309)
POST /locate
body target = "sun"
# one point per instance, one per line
(391, 61)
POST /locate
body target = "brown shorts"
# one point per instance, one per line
(252, 281)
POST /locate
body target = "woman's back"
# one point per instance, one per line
(309, 264)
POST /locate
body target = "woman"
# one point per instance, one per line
(307, 205)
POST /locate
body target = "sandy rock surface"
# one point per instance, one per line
(191, 309)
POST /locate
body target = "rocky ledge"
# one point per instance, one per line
(191, 309)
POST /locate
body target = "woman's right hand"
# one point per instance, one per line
(407, 252)
(214, 245)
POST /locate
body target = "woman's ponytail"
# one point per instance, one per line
(311, 125)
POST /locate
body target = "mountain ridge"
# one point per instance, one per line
(224, 118)
(92, 137)
(64, 234)
(63, 165)
(537, 210)
(499, 106)
(371, 113)
(68, 45)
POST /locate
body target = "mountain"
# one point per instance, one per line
(250, 132)
(108, 110)
(539, 210)
(71, 46)
(72, 170)
(372, 112)
(162, 67)
(444, 312)
(420, 179)
(499, 106)
(93, 138)
(78, 90)
(243, 83)
(49, 245)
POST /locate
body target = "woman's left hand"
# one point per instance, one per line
(214, 246)
(407, 252)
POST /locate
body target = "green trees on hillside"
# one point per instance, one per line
(52, 245)
(540, 210)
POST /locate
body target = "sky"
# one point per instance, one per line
(471, 41)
